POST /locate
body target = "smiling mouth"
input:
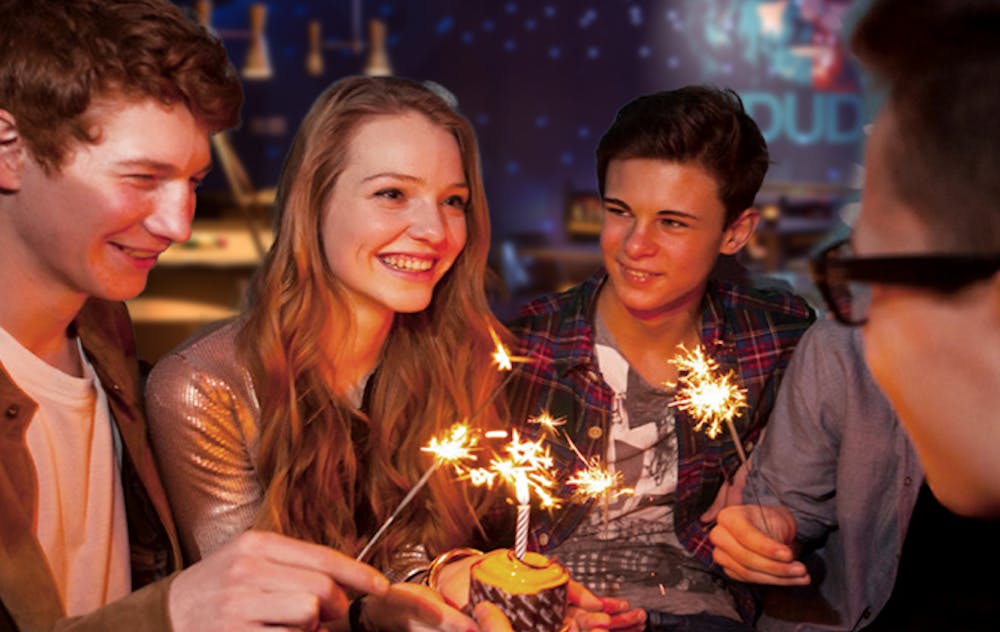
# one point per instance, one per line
(638, 275)
(139, 253)
(405, 263)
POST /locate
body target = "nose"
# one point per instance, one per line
(639, 242)
(428, 222)
(172, 215)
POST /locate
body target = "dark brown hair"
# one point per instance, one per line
(57, 57)
(939, 61)
(700, 124)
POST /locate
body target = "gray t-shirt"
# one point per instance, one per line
(629, 548)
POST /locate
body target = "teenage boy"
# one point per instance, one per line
(678, 172)
(105, 114)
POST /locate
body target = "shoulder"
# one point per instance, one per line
(210, 352)
(755, 307)
(106, 324)
(549, 310)
(829, 345)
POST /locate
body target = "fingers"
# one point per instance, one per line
(268, 579)
(491, 618)
(763, 530)
(591, 620)
(578, 595)
(744, 564)
(414, 607)
(288, 551)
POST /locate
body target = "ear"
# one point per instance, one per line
(12, 153)
(739, 232)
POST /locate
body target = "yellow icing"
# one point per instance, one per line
(533, 574)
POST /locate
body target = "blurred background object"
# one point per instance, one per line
(540, 80)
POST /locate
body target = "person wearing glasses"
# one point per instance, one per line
(677, 172)
(835, 515)
(921, 273)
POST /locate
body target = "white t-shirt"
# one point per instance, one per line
(81, 510)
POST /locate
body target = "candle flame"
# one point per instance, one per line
(703, 391)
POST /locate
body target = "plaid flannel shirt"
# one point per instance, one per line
(750, 331)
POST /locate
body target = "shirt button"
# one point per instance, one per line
(907, 481)
(116, 388)
(748, 446)
(594, 432)
(12, 411)
(867, 613)
(543, 539)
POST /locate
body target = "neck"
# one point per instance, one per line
(661, 330)
(364, 349)
(41, 310)
(649, 340)
(42, 329)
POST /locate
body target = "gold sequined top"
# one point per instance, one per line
(204, 427)
(203, 424)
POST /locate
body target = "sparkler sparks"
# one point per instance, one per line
(709, 396)
(454, 448)
(546, 421)
(598, 482)
(502, 357)
(528, 463)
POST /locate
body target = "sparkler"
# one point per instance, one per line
(596, 481)
(458, 443)
(709, 396)
(712, 398)
(455, 447)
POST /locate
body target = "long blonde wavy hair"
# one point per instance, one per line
(332, 472)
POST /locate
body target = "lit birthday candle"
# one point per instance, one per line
(527, 467)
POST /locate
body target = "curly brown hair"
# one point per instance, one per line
(56, 58)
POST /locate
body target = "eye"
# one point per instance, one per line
(143, 180)
(670, 222)
(615, 210)
(457, 201)
(389, 194)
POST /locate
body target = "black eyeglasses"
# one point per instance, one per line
(844, 279)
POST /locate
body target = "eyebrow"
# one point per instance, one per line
(157, 166)
(402, 176)
(661, 212)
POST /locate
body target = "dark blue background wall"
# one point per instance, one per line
(541, 80)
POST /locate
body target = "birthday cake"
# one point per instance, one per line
(530, 591)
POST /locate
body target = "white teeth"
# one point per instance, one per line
(408, 264)
(139, 254)
(638, 274)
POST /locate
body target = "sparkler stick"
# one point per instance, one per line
(596, 481)
(403, 503)
(454, 448)
(712, 399)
